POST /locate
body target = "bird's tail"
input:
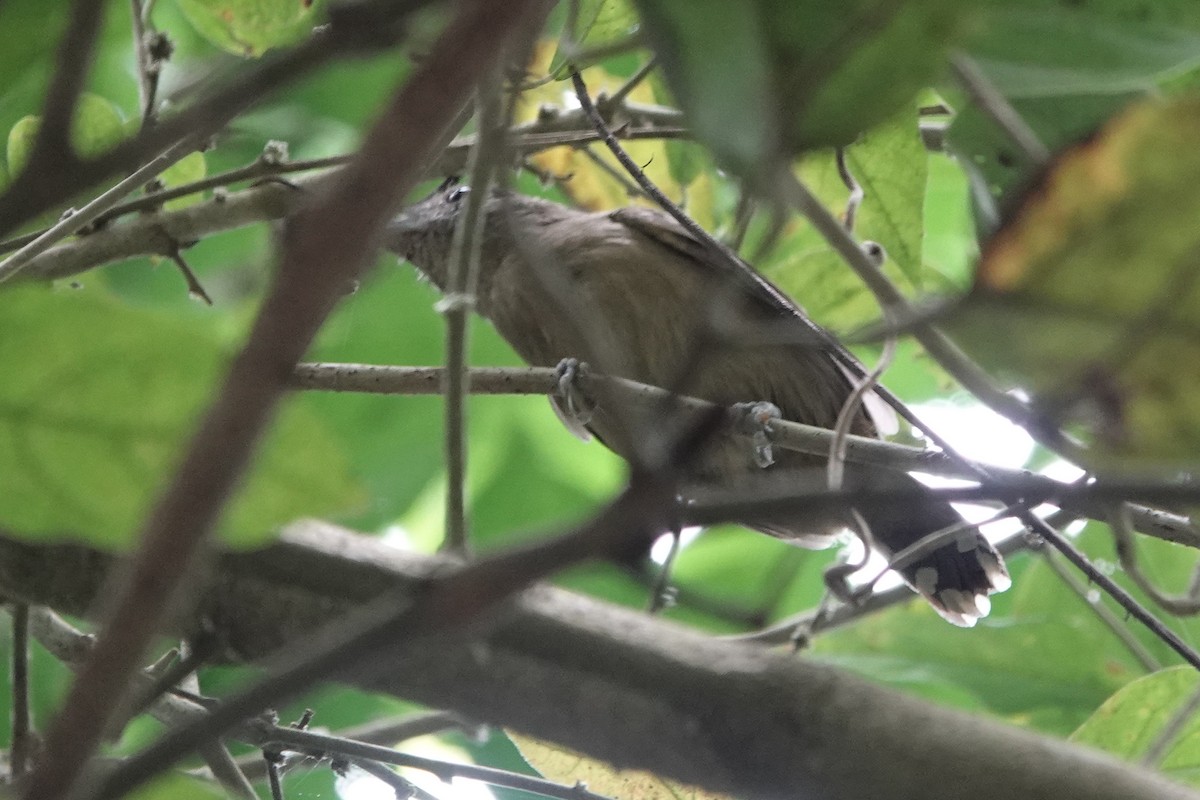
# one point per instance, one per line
(956, 577)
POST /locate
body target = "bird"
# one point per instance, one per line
(635, 289)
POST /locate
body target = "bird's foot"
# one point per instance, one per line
(576, 408)
(754, 420)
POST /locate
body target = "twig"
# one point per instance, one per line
(233, 211)
(194, 287)
(22, 732)
(332, 240)
(273, 781)
(1102, 612)
(76, 221)
(789, 435)
(148, 65)
(1114, 590)
(445, 770)
(1187, 604)
(75, 49)
(218, 758)
(856, 191)
(465, 252)
(996, 106)
(403, 787)
(618, 97)
(383, 732)
(1171, 731)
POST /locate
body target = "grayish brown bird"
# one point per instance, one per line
(633, 289)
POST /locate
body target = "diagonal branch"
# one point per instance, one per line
(327, 246)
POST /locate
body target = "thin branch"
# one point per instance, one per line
(77, 220)
(262, 203)
(1171, 731)
(22, 730)
(218, 758)
(465, 253)
(445, 770)
(631, 83)
(854, 201)
(330, 242)
(378, 379)
(403, 787)
(1110, 620)
(992, 102)
(1114, 590)
(1187, 604)
(75, 49)
(363, 27)
(149, 65)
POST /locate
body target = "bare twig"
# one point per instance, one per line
(22, 731)
(149, 65)
(1171, 731)
(445, 770)
(332, 241)
(403, 787)
(362, 27)
(53, 142)
(226, 770)
(996, 106)
(77, 220)
(465, 252)
(1187, 604)
(856, 191)
(631, 83)
(1114, 623)
(789, 435)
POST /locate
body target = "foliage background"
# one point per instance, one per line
(104, 375)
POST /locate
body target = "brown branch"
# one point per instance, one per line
(330, 242)
(620, 686)
(358, 28)
(52, 147)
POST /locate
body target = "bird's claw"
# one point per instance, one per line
(575, 406)
(754, 420)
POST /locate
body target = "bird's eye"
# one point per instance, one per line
(458, 193)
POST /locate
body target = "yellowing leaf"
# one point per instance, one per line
(568, 767)
(1089, 298)
(589, 184)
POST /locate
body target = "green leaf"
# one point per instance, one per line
(718, 66)
(251, 27)
(1087, 297)
(775, 77)
(597, 23)
(1134, 718)
(97, 403)
(1066, 68)
(1042, 659)
(96, 127)
(890, 165)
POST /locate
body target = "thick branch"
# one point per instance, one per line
(634, 690)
